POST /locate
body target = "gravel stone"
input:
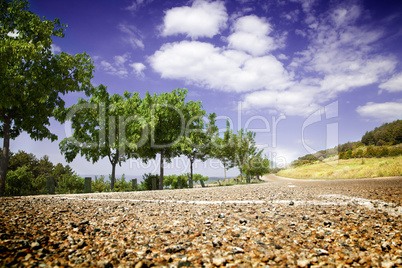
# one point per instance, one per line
(345, 223)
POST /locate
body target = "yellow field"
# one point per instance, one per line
(347, 169)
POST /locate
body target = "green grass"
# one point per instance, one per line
(347, 169)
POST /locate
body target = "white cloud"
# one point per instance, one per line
(394, 84)
(132, 35)
(137, 4)
(386, 112)
(138, 68)
(55, 49)
(341, 55)
(216, 68)
(117, 66)
(251, 35)
(202, 19)
(298, 101)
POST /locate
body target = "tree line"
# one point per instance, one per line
(386, 134)
(127, 127)
(28, 175)
(33, 81)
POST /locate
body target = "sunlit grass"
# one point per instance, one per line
(347, 169)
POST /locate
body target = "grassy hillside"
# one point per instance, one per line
(347, 169)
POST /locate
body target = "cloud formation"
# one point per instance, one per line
(385, 112)
(251, 34)
(216, 68)
(120, 66)
(202, 19)
(132, 35)
(394, 84)
(138, 68)
(341, 55)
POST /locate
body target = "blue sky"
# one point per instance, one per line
(304, 75)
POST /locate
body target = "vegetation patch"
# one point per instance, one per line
(347, 169)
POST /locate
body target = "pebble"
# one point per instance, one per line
(227, 227)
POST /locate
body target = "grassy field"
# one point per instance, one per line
(347, 169)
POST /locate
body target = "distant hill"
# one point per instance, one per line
(385, 140)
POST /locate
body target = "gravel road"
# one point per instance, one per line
(282, 222)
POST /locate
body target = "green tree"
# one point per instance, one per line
(166, 116)
(146, 183)
(105, 126)
(32, 78)
(223, 148)
(195, 138)
(257, 165)
(199, 178)
(244, 147)
(19, 181)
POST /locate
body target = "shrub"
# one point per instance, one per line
(18, 182)
(70, 184)
(100, 185)
(358, 153)
(121, 185)
(146, 184)
(370, 152)
(39, 185)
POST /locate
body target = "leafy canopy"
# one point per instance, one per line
(32, 78)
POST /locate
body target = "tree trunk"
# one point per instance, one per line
(241, 173)
(114, 162)
(5, 156)
(113, 179)
(224, 169)
(161, 172)
(190, 184)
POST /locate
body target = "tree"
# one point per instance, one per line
(32, 78)
(257, 165)
(244, 147)
(166, 116)
(223, 149)
(194, 139)
(105, 126)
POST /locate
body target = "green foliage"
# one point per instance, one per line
(222, 147)
(19, 181)
(379, 143)
(33, 79)
(29, 175)
(70, 184)
(257, 166)
(146, 184)
(100, 185)
(244, 150)
(198, 178)
(175, 126)
(104, 126)
(172, 181)
(372, 151)
(122, 185)
(386, 134)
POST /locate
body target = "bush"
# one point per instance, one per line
(121, 185)
(395, 151)
(370, 152)
(100, 185)
(358, 153)
(39, 185)
(70, 184)
(18, 182)
(146, 184)
(382, 152)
